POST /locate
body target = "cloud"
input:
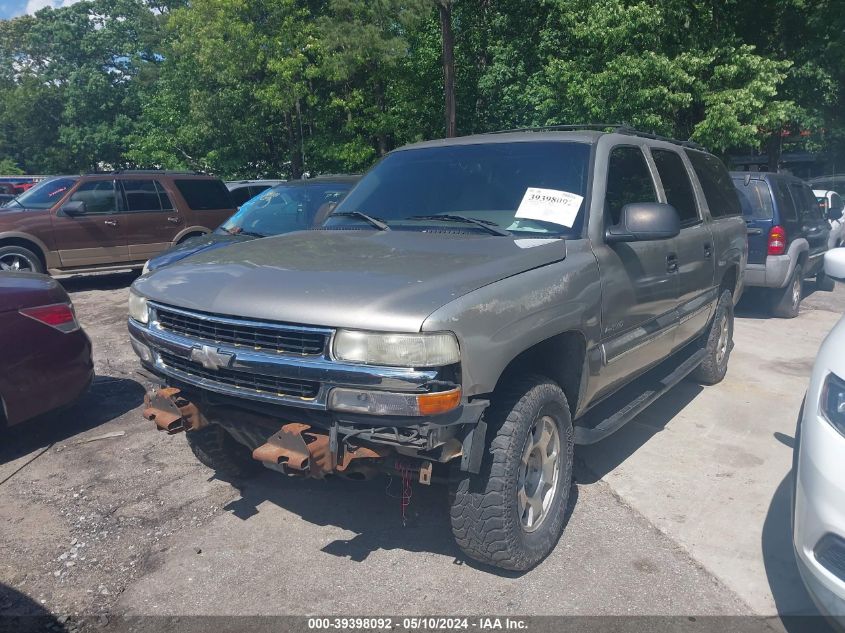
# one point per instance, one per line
(36, 5)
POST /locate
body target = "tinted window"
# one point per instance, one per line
(45, 194)
(835, 201)
(240, 195)
(141, 195)
(722, 198)
(204, 194)
(676, 184)
(755, 199)
(98, 195)
(486, 181)
(786, 207)
(284, 208)
(628, 180)
(166, 203)
(805, 202)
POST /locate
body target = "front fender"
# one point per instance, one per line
(496, 323)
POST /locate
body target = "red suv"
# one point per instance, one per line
(107, 221)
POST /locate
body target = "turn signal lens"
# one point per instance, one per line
(438, 402)
(58, 315)
(777, 240)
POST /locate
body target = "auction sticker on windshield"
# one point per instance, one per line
(550, 205)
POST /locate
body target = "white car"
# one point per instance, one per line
(819, 496)
(831, 204)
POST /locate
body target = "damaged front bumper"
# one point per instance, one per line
(256, 394)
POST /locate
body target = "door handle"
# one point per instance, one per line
(174, 219)
(672, 263)
(110, 222)
(755, 231)
(708, 251)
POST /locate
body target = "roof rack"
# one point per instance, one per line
(618, 128)
(164, 172)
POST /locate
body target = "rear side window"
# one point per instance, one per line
(204, 194)
(786, 206)
(141, 195)
(628, 181)
(755, 199)
(722, 198)
(676, 184)
(166, 203)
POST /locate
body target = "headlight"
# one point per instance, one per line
(833, 402)
(429, 349)
(138, 308)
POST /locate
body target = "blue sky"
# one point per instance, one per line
(13, 8)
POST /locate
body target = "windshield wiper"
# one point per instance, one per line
(381, 226)
(249, 233)
(487, 225)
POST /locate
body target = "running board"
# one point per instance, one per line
(594, 426)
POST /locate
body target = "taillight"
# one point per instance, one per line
(777, 241)
(57, 315)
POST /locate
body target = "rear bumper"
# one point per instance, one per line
(774, 273)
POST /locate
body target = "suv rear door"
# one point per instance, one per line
(96, 237)
(152, 222)
(208, 201)
(812, 222)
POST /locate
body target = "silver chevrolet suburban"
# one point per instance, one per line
(471, 311)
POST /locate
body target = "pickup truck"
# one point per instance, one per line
(472, 310)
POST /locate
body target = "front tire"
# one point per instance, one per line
(786, 302)
(214, 447)
(718, 344)
(511, 514)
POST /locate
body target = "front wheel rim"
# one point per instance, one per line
(724, 340)
(539, 474)
(15, 262)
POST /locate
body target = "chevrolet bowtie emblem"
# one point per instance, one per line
(211, 357)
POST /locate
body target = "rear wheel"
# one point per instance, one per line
(786, 302)
(511, 513)
(718, 344)
(19, 259)
(216, 448)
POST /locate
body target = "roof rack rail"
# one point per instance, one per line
(618, 128)
(164, 172)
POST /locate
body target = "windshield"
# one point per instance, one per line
(488, 182)
(285, 208)
(45, 194)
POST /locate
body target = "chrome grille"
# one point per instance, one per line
(253, 382)
(254, 335)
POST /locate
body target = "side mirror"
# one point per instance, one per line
(74, 208)
(834, 264)
(644, 221)
(834, 214)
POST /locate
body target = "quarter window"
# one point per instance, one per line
(201, 194)
(98, 196)
(786, 206)
(676, 184)
(628, 181)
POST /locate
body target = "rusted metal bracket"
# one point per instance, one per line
(425, 474)
(171, 412)
(302, 450)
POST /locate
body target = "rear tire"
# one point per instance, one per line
(718, 344)
(786, 302)
(19, 259)
(824, 283)
(214, 447)
(511, 514)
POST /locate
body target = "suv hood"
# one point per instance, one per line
(388, 280)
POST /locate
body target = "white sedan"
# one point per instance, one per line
(819, 498)
(831, 204)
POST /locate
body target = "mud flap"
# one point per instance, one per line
(473, 448)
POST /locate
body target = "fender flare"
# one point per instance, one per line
(47, 255)
(189, 230)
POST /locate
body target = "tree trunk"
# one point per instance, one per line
(448, 65)
(293, 147)
(773, 149)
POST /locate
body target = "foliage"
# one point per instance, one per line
(277, 87)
